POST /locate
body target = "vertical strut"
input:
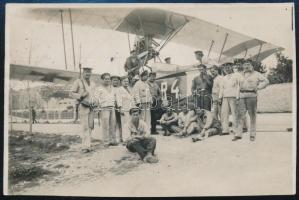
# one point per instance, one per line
(63, 39)
(211, 46)
(223, 47)
(257, 57)
(72, 34)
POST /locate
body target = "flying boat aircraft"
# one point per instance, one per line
(154, 29)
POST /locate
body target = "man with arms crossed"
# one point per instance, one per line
(250, 82)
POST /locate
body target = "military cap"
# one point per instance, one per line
(87, 69)
(198, 52)
(105, 74)
(134, 109)
(114, 76)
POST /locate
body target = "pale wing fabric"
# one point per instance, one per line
(160, 23)
(200, 34)
(33, 73)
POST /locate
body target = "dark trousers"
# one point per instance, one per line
(142, 146)
(156, 112)
(203, 101)
(172, 128)
(118, 124)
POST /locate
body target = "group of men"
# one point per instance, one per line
(229, 90)
(118, 103)
(132, 108)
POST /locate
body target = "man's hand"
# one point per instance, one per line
(121, 111)
(84, 94)
(237, 101)
(202, 133)
(220, 101)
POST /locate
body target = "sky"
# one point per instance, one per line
(271, 23)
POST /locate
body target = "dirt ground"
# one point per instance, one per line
(216, 166)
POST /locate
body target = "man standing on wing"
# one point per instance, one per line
(250, 83)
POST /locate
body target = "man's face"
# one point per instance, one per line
(169, 111)
(125, 82)
(115, 82)
(198, 56)
(235, 68)
(202, 70)
(144, 77)
(185, 109)
(107, 80)
(214, 72)
(227, 70)
(247, 67)
(86, 74)
(135, 116)
(152, 78)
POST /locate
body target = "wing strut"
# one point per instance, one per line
(245, 53)
(72, 34)
(257, 57)
(129, 42)
(171, 36)
(63, 39)
(211, 46)
(223, 47)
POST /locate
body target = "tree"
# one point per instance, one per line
(257, 66)
(283, 73)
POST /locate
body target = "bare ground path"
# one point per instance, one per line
(216, 166)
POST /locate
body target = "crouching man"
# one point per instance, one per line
(169, 122)
(139, 141)
(208, 123)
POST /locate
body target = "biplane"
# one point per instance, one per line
(154, 29)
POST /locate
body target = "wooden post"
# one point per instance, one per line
(30, 112)
(11, 101)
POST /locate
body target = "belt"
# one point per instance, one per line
(246, 91)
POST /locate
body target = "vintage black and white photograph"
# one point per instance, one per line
(147, 100)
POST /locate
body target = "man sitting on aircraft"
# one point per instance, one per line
(209, 125)
(82, 90)
(139, 140)
(132, 65)
(169, 121)
(167, 60)
(202, 88)
(199, 56)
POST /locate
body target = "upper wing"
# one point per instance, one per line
(23, 72)
(161, 24)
